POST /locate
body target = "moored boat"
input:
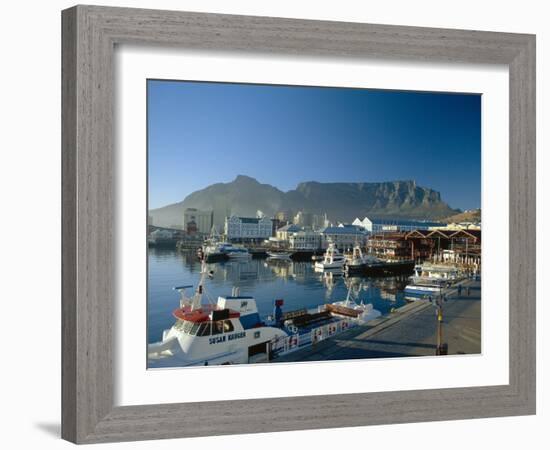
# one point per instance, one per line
(277, 254)
(358, 262)
(332, 259)
(430, 279)
(238, 253)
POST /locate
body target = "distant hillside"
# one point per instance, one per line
(340, 201)
(473, 215)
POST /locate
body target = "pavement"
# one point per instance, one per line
(410, 331)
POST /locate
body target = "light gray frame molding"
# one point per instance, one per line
(89, 36)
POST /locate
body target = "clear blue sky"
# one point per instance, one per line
(205, 133)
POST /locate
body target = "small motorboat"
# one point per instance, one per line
(279, 254)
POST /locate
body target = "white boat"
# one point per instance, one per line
(431, 279)
(238, 253)
(358, 261)
(332, 259)
(215, 250)
(279, 254)
(227, 332)
(232, 332)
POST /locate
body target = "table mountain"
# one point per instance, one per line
(244, 196)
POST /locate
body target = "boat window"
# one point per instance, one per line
(204, 329)
(217, 327)
(194, 329)
(187, 326)
(227, 326)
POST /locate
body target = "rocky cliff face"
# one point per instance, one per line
(340, 201)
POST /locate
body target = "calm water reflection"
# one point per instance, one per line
(295, 282)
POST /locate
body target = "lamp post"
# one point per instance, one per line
(441, 348)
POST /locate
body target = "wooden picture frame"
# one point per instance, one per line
(90, 34)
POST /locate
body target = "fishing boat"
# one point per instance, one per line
(276, 254)
(332, 259)
(431, 279)
(231, 331)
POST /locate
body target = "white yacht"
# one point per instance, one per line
(332, 259)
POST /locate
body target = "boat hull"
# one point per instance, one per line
(421, 291)
(329, 266)
(381, 268)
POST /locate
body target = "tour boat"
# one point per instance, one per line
(431, 279)
(231, 331)
(332, 259)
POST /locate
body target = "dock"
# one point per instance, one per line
(407, 331)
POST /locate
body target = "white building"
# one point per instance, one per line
(248, 228)
(283, 233)
(392, 225)
(343, 237)
(203, 220)
(305, 240)
(366, 223)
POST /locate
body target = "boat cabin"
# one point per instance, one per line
(228, 315)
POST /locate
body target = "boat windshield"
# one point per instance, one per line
(207, 328)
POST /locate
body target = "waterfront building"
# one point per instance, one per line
(248, 229)
(366, 224)
(393, 246)
(343, 237)
(394, 225)
(422, 246)
(305, 240)
(427, 243)
(283, 233)
(195, 220)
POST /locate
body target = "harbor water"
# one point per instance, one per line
(297, 283)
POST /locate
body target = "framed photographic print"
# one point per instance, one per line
(277, 216)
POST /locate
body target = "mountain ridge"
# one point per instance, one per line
(341, 201)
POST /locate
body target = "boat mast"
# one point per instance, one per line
(197, 298)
